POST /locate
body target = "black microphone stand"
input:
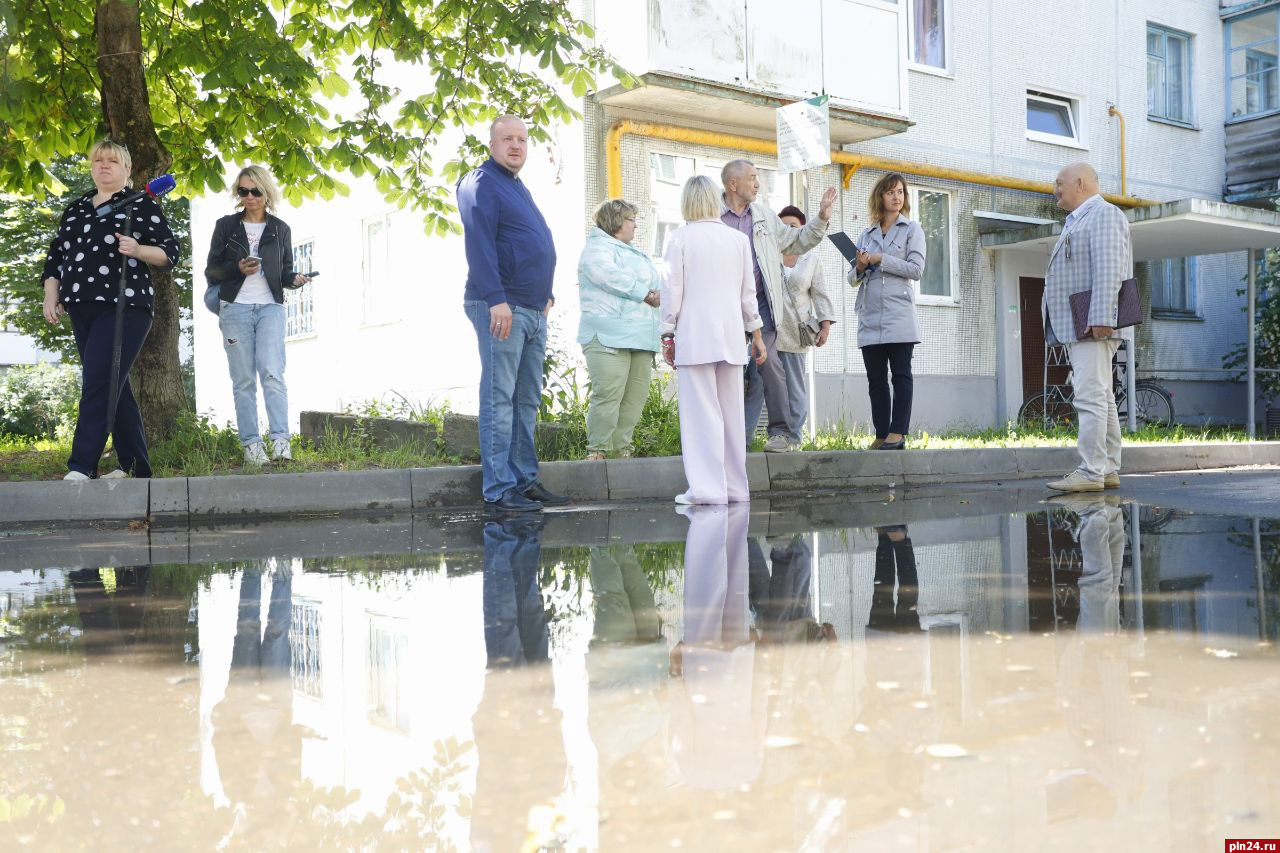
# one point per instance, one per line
(113, 396)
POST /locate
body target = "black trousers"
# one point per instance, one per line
(889, 413)
(895, 567)
(94, 328)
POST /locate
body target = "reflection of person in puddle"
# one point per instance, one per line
(781, 597)
(718, 714)
(257, 748)
(626, 667)
(516, 724)
(895, 568)
(1094, 675)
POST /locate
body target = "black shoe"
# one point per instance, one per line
(900, 444)
(538, 493)
(513, 502)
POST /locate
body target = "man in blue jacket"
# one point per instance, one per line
(511, 261)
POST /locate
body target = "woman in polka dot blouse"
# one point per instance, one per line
(82, 280)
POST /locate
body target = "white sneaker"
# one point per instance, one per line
(280, 449)
(75, 476)
(255, 454)
(684, 499)
(778, 444)
(1076, 482)
(114, 475)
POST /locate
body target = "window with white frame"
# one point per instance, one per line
(381, 235)
(299, 305)
(933, 209)
(667, 176)
(1053, 118)
(304, 649)
(1174, 286)
(928, 33)
(1253, 48)
(1168, 74)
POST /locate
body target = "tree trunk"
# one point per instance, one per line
(126, 108)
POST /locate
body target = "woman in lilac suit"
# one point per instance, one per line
(708, 304)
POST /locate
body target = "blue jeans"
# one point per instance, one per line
(510, 392)
(253, 336)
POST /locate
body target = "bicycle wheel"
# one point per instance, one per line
(1154, 405)
(1051, 410)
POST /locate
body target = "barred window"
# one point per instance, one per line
(300, 317)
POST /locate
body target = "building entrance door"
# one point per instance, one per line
(1031, 291)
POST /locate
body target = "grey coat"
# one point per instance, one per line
(886, 301)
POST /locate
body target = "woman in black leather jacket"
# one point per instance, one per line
(251, 263)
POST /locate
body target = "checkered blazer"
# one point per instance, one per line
(1094, 254)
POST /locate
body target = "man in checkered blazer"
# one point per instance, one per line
(1093, 254)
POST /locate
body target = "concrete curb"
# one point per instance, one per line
(185, 501)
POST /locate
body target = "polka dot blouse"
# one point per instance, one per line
(85, 258)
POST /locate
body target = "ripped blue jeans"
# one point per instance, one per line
(253, 337)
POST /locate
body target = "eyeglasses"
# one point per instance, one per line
(244, 191)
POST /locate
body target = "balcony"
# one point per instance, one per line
(728, 64)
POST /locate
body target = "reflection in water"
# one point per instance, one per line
(516, 724)
(1091, 672)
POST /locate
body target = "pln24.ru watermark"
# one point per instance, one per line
(1246, 845)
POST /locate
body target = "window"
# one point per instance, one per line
(1168, 74)
(1253, 42)
(933, 210)
(299, 305)
(1052, 118)
(304, 648)
(390, 678)
(1173, 286)
(667, 175)
(928, 33)
(381, 233)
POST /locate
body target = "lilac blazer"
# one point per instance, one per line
(709, 293)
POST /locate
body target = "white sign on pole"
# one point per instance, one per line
(804, 135)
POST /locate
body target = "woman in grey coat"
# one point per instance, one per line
(890, 261)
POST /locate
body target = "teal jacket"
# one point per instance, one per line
(613, 279)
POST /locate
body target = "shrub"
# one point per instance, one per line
(39, 400)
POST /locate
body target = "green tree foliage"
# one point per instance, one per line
(301, 87)
(1266, 338)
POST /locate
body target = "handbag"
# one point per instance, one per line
(1128, 309)
(809, 325)
(212, 298)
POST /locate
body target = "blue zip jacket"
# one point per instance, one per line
(510, 254)
(614, 277)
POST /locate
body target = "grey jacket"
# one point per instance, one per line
(1093, 253)
(886, 301)
(772, 238)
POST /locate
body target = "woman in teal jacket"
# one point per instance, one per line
(619, 328)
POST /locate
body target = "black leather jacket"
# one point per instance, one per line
(230, 245)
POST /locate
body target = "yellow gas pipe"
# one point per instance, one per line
(850, 161)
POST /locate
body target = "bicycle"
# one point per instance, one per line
(1054, 406)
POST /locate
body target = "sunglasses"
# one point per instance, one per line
(244, 191)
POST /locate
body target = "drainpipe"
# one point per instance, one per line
(1112, 111)
(850, 161)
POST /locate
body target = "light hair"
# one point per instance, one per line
(699, 200)
(262, 178)
(876, 203)
(733, 169)
(611, 215)
(116, 150)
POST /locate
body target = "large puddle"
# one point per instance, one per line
(1083, 675)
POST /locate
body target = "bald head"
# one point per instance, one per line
(1075, 184)
(741, 184)
(509, 142)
